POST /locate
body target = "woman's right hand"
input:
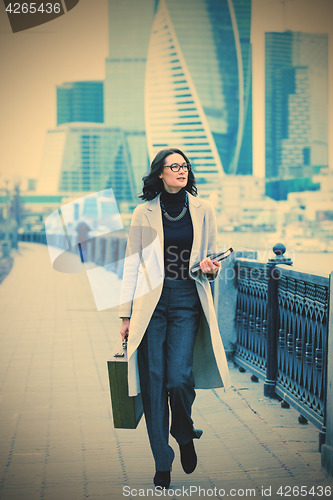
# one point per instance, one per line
(124, 329)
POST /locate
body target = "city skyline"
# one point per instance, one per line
(26, 160)
(171, 81)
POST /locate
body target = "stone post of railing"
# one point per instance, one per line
(272, 318)
(327, 448)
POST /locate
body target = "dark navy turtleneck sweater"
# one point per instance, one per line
(178, 236)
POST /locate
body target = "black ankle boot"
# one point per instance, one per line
(188, 457)
(162, 478)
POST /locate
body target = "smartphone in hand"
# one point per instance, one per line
(216, 256)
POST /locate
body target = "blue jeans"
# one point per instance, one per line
(165, 359)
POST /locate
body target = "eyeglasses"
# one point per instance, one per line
(175, 167)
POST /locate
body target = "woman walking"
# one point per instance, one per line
(167, 311)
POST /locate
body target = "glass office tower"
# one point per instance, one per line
(174, 112)
(130, 23)
(213, 37)
(296, 98)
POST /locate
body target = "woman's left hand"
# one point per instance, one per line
(207, 266)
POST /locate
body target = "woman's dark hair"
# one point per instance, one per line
(153, 184)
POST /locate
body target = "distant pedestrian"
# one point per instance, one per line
(83, 229)
(172, 329)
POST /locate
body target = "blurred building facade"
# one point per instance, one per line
(296, 100)
(80, 102)
(130, 25)
(244, 203)
(81, 157)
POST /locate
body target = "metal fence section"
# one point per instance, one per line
(303, 317)
(290, 352)
(33, 237)
(251, 316)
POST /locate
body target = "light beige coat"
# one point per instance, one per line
(143, 282)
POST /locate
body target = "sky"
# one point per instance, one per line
(74, 47)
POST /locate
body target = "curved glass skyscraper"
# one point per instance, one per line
(214, 36)
(179, 74)
(174, 113)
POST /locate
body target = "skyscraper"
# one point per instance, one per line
(130, 23)
(296, 98)
(174, 113)
(212, 119)
(80, 102)
(213, 40)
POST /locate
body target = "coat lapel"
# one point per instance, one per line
(197, 215)
(154, 216)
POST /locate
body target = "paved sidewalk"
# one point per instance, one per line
(57, 439)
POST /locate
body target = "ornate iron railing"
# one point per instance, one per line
(251, 316)
(303, 310)
(288, 311)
